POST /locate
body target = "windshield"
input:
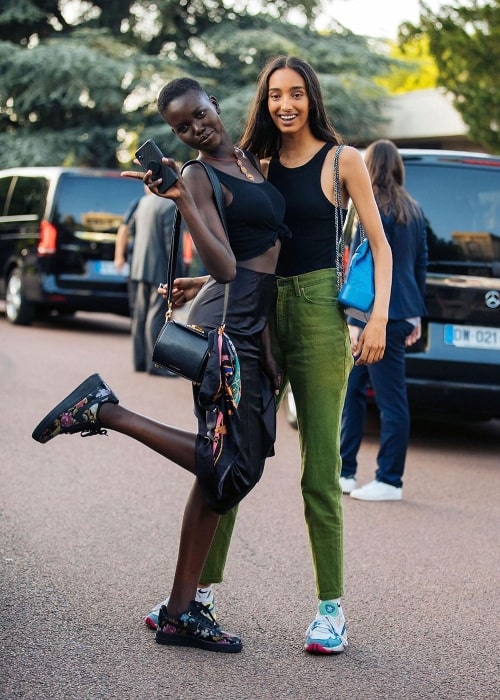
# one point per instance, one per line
(462, 208)
(94, 204)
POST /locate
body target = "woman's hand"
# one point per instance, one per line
(185, 289)
(415, 335)
(269, 364)
(370, 345)
(174, 192)
(273, 371)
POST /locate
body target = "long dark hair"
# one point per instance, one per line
(260, 135)
(387, 171)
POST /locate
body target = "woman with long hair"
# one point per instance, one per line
(288, 129)
(404, 226)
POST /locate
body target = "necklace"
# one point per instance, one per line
(240, 157)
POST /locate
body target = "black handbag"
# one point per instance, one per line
(182, 348)
(357, 290)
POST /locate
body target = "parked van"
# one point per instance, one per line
(455, 367)
(57, 235)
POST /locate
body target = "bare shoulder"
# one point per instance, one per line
(348, 156)
(351, 157)
(352, 165)
(197, 180)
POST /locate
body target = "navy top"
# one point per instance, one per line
(309, 215)
(254, 217)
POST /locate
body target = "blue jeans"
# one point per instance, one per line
(387, 379)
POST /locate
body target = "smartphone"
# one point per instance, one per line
(149, 156)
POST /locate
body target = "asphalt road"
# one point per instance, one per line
(89, 531)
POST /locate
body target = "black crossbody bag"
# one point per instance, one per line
(180, 347)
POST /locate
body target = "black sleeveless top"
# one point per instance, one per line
(309, 215)
(254, 217)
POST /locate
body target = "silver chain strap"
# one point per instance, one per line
(339, 221)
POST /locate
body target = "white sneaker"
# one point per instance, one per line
(203, 595)
(347, 483)
(377, 491)
(327, 632)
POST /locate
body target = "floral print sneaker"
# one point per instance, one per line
(77, 413)
(195, 628)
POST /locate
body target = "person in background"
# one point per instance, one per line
(187, 253)
(123, 252)
(289, 130)
(150, 227)
(405, 228)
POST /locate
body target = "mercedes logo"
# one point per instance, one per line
(492, 299)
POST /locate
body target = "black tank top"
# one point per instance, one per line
(254, 217)
(309, 215)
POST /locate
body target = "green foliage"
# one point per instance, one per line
(81, 88)
(465, 43)
(414, 68)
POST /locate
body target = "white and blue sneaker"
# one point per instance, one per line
(203, 595)
(327, 632)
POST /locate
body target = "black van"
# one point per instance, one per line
(57, 235)
(455, 367)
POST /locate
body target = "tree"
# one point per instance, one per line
(414, 68)
(465, 43)
(80, 88)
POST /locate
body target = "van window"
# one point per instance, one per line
(462, 207)
(93, 204)
(29, 197)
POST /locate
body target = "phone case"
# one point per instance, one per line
(149, 156)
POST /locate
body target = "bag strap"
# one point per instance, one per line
(339, 220)
(176, 228)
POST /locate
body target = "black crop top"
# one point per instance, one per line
(254, 217)
(309, 215)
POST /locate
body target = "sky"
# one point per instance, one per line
(377, 18)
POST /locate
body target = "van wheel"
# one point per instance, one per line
(290, 410)
(18, 310)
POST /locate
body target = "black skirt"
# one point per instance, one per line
(251, 298)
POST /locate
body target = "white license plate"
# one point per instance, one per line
(107, 267)
(472, 337)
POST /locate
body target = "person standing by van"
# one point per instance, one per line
(150, 227)
(123, 252)
(404, 226)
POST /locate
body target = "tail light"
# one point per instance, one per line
(48, 238)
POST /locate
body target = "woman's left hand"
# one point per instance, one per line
(173, 192)
(415, 335)
(370, 347)
(273, 371)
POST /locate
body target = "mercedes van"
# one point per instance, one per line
(455, 368)
(57, 235)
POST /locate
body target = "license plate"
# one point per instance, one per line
(477, 337)
(106, 267)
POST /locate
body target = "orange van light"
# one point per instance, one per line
(48, 238)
